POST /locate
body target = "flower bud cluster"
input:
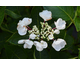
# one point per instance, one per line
(35, 31)
(46, 31)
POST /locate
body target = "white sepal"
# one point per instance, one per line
(58, 44)
(22, 30)
(32, 36)
(56, 31)
(40, 45)
(50, 36)
(25, 21)
(28, 44)
(46, 15)
(21, 41)
(60, 24)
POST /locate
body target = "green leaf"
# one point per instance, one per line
(77, 23)
(29, 53)
(59, 54)
(3, 54)
(16, 37)
(78, 10)
(42, 55)
(3, 38)
(15, 52)
(2, 10)
(77, 19)
(19, 10)
(10, 25)
(64, 12)
(79, 54)
(61, 35)
(69, 40)
(35, 16)
(12, 14)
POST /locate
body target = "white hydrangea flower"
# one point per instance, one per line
(60, 24)
(44, 44)
(28, 44)
(21, 41)
(58, 44)
(22, 30)
(25, 22)
(40, 45)
(50, 36)
(36, 42)
(56, 31)
(46, 15)
(32, 36)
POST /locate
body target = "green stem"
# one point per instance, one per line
(40, 54)
(34, 54)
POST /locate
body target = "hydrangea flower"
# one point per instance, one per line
(32, 36)
(27, 43)
(40, 45)
(56, 31)
(22, 30)
(25, 21)
(21, 41)
(60, 24)
(58, 44)
(50, 36)
(46, 15)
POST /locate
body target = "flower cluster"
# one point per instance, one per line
(46, 32)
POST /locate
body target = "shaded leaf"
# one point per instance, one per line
(42, 55)
(12, 14)
(3, 38)
(2, 10)
(35, 16)
(15, 37)
(77, 23)
(79, 54)
(59, 54)
(15, 52)
(69, 40)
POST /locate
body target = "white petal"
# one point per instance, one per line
(21, 23)
(39, 47)
(36, 42)
(56, 31)
(44, 44)
(25, 46)
(60, 24)
(21, 41)
(28, 44)
(58, 44)
(22, 30)
(50, 36)
(63, 43)
(32, 36)
(46, 15)
(25, 21)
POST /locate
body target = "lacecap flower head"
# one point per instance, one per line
(46, 32)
